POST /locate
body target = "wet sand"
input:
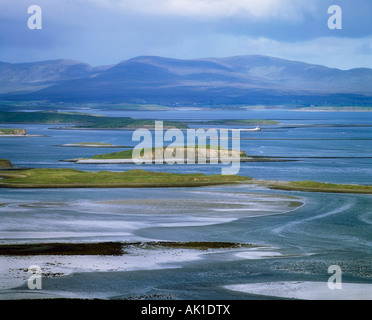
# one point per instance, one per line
(307, 290)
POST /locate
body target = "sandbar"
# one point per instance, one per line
(306, 290)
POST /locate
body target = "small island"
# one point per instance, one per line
(179, 154)
(92, 145)
(12, 132)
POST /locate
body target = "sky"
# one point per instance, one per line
(105, 32)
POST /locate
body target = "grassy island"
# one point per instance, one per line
(180, 153)
(93, 145)
(210, 151)
(13, 132)
(71, 178)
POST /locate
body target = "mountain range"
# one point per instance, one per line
(174, 82)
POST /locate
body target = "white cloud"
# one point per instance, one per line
(342, 53)
(278, 9)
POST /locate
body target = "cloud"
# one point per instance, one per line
(343, 53)
(256, 9)
(108, 31)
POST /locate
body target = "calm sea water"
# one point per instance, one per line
(328, 229)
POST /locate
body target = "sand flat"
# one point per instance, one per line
(306, 290)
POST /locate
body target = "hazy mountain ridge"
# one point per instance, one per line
(150, 79)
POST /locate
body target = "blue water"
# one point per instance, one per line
(328, 229)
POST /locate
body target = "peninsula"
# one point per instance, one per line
(71, 178)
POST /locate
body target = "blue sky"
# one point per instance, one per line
(102, 32)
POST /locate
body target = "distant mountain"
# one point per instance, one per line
(213, 81)
(33, 76)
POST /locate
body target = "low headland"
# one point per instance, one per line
(71, 178)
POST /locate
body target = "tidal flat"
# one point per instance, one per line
(298, 233)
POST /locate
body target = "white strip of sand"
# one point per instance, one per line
(306, 290)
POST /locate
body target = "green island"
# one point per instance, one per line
(71, 178)
(13, 132)
(109, 248)
(93, 145)
(83, 121)
(211, 153)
